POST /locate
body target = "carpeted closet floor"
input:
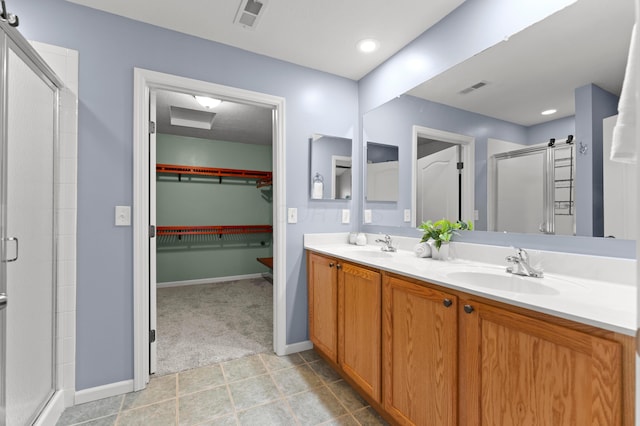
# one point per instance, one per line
(205, 324)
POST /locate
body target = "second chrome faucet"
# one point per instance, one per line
(387, 243)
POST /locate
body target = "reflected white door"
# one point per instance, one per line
(438, 186)
(29, 238)
(382, 181)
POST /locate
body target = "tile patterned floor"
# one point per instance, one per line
(264, 389)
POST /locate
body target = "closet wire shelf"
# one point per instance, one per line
(218, 230)
(262, 178)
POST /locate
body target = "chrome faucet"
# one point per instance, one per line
(387, 243)
(521, 265)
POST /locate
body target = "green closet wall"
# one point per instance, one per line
(203, 201)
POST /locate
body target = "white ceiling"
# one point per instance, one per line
(317, 34)
(534, 70)
(540, 67)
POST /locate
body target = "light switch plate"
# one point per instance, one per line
(367, 216)
(346, 215)
(292, 215)
(123, 215)
(407, 215)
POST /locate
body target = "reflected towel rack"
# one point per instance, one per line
(262, 178)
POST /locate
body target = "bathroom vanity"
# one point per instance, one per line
(461, 342)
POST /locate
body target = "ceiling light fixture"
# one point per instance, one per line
(208, 102)
(368, 45)
(549, 111)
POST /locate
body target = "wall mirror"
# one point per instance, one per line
(331, 162)
(496, 99)
(382, 172)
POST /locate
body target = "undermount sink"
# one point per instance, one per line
(509, 282)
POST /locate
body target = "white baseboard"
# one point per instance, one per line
(298, 347)
(208, 280)
(104, 391)
(53, 411)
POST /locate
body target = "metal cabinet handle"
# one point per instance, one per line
(331, 265)
(3, 301)
(468, 308)
(17, 247)
(338, 266)
(447, 302)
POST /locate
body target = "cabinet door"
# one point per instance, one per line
(323, 304)
(359, 326)
(420, 353)
(524, 371)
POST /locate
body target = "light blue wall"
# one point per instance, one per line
(593, 104)
(109, 48)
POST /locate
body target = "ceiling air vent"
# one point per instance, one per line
(249, 13)
(473, 87)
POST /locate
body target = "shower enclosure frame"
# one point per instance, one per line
(548, 225)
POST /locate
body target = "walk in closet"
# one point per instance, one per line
(214, 217)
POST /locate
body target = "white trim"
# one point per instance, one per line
(202, 281)
(104, 391)
(144, 80)
(467, 144)
(298, 347)
(52, 411)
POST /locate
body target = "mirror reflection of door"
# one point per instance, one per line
(341, 182)
(438, 186)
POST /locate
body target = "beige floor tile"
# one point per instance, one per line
(275, 362)
(349, 397)
(243, 368)
(228, 420)
(91, 410)
(347, 420)
(159, 389)
(369, 417)
(310, 355)
(198, 379)
(206, 405)
(254, 391)
(161, 414)
(273, 414)
(296, 379)
(316, 406)
(325, 371)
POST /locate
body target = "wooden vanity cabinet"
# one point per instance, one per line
(426, 355)
(323, 304)
(420, 353)
(359, 325)
(520, 370)
(345, 319)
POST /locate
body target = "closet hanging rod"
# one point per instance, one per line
(214, 230)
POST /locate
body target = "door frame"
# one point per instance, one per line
(144, 82)
(467, 145)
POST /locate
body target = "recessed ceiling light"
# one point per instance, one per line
(368, 45)
(549, 111)
(208, 102)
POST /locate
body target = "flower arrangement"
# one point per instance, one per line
(442, 230)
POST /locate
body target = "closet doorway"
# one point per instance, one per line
(214, 181)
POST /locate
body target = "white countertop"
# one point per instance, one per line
(584, 296)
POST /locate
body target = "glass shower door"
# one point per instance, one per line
(30, 123)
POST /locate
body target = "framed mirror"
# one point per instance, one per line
(499, 95)
(331, 162)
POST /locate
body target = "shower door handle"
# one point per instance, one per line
(11, 239)
(3, 301)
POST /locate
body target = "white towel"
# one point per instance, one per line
(422, 250)
(623, 148)
(318, 189)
